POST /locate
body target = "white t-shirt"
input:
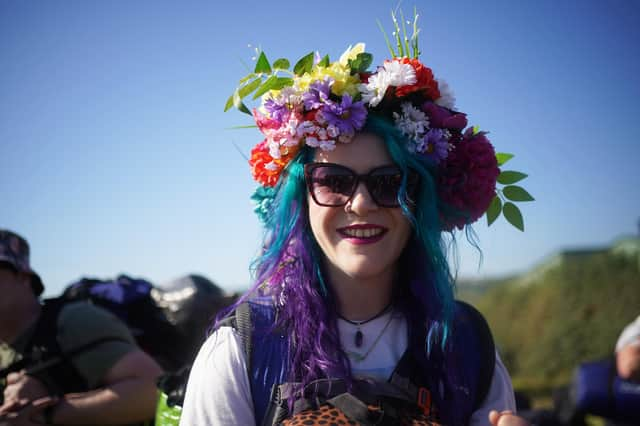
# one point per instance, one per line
(218, 392)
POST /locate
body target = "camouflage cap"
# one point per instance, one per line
(14, 250)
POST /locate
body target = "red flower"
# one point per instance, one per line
(424, 81)
(467, 181)
(260, 157)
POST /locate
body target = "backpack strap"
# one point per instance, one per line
(473, 359)
(254, 321)
(43, 357)
(485, 347)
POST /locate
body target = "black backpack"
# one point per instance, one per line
(408, 387)
(170, 325)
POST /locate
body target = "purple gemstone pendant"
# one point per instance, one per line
(359, 338)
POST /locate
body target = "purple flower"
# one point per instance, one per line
(318, 94)
(278, 111)
(443, 117)
(347, 116)
(435, 145)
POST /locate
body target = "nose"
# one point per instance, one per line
(361, 202)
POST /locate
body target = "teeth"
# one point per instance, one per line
(363, 233)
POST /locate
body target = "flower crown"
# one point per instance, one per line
(320, 103)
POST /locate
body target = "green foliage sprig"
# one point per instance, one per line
(508, 194)
(404, 43)
(265, 77)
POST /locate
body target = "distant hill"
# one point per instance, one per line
(568, 309)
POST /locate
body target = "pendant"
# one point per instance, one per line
(359, 338)
(356, 357)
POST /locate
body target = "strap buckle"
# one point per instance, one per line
(424, 400)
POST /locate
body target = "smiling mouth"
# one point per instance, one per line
(367, 232)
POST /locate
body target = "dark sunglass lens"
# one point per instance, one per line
(332, 185)
(384, 185)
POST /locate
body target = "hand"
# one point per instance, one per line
(628, 362)
(506, 418)
(28, 413)
(22, 386)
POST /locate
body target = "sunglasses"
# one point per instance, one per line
(333, 185)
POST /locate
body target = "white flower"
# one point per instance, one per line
(274, 149)
(374, 90)
(328, 145)
(400, 74)
(322, 133)
(306, 128)
(272, 166)
(411, 121)
(332, 131)
(393, 73)
(446, 99)
(312, 141)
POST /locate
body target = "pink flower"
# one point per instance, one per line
(467, 181)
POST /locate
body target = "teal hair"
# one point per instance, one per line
(289, 268)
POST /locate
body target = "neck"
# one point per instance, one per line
(361, 298)
(18, 320)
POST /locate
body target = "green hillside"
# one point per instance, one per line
(567, 310)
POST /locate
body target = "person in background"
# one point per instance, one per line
(362, 177)
(628, 352)
(96, 373)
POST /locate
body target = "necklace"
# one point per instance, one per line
(361, 357)
(359, 337)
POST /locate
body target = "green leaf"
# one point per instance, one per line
(325, 61)
(516, 193)
(282, 82)
(247, 78)
(361, 62)
(508, 177)
(237, 102)
(244, 108)
(503, 157)
(263, 64)
(266, 86)
(247, 126)
(513, 215)
(476, 130)
(304, 64)
(229, 103)
(494, 210)
(281, 64)
(245, 90)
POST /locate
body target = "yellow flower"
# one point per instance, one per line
(351, 53)
(339, 71)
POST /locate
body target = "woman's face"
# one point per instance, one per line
(359, 239)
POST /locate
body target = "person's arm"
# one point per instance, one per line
(628, 352)
(218, 391)
(128, 395)
(500, 397)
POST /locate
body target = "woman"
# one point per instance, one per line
(361, 175)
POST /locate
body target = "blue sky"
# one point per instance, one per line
(117, 157)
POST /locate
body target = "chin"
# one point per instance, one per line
(363, 270)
